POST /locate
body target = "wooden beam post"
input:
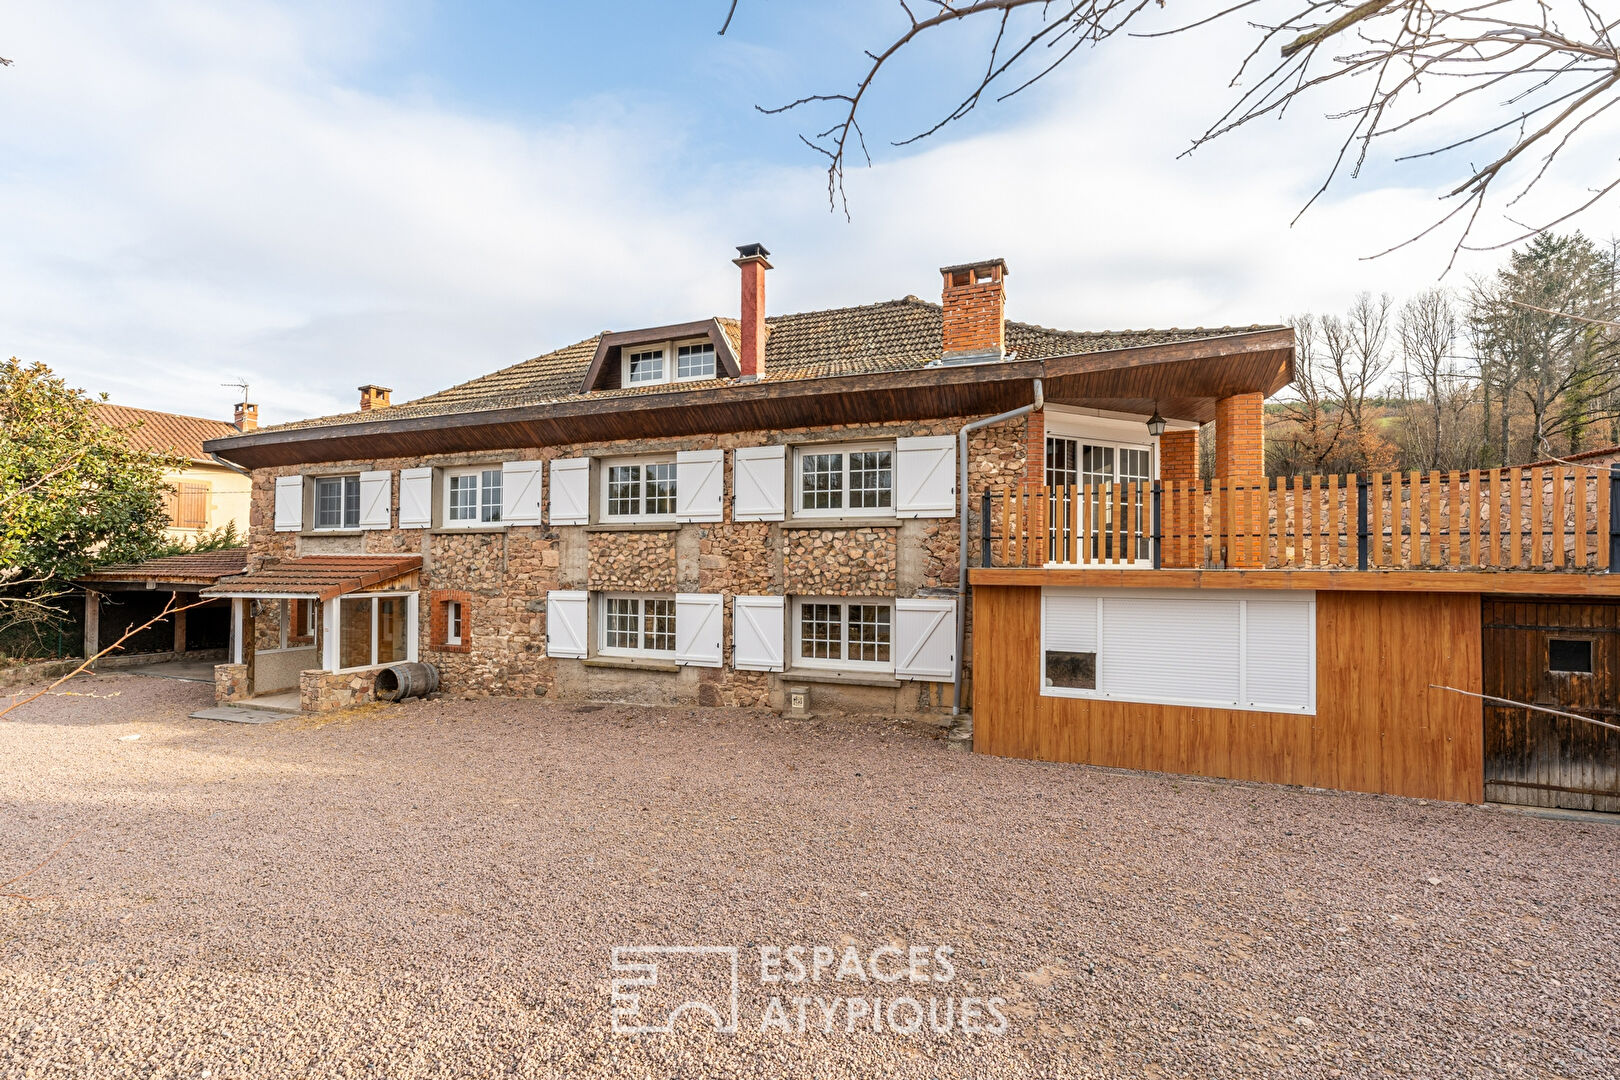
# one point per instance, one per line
(179, 619)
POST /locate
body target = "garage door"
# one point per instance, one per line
(1561, 656)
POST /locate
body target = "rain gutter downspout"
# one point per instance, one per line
(962, 541)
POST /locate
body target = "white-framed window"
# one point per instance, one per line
(667, 361)
(370, 629)
(472, 496)
(855, 480)
(840, 632)
(452, 622)
(636, 625)
(1204, 647)
(638, 489)
(337, 502)
(695, 360)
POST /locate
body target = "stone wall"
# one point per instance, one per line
(503, 574)
(231, 682)
(325, 691)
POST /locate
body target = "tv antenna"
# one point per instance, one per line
(240, 384)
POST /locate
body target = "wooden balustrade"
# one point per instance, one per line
(1542, 518)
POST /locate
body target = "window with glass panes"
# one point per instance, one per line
(473, 496)
(645, 366)
(836, 632)
(638, 624)
(639, 490)
(694, 361)
(846, 480)
(337, 502)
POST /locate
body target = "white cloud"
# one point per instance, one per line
(193, 195)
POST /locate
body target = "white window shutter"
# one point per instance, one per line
(1171, 649)
(758, 626)
(925, 476)
(698, 619)
(376, 500)
(565, 623)
(415, 498)
(520, 492)
(925, 638)
(760, 479)
(571, 491)
(1279, 652)
(289, 503)
(700, 485)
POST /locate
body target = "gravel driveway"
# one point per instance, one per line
(434, 890)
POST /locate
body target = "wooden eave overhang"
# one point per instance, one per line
(1190, 376)
(320, 577)
(607, 349)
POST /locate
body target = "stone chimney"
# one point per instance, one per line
(247, 416)
(373, 397)
(751, 258)
(974, 326)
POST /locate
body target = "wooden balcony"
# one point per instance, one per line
(1541, 519)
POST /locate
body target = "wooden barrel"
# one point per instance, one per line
(396, 682)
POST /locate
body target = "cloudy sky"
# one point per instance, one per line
(310, 197)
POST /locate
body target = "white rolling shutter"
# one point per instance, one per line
(700, 485)
(376, 502)
(758, 625)
(1071, 622)
(925, 638)
(415, 498)
(565, 623)
(698, 619)
(759, 475)
(1279, 645)
(289, 503)
(1171, 649)
(571, 491)
(925, 476)
(520, 492)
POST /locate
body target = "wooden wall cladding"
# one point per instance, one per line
(1378, 725)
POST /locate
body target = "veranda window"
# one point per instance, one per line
(374, 630)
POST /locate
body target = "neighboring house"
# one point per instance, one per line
(708, 512)
(208, 492)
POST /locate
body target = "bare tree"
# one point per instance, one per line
(1309, 430)
(1427, 333)
(1417, 67)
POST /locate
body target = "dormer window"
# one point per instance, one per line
(695, 361)
(667, 362)
(644, 366)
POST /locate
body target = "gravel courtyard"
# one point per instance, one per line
(435, 889)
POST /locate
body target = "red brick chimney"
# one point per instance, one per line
(975, 310)
(247, 416)
(373, 397)
(751, 258)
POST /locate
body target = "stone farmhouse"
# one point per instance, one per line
(763, 510)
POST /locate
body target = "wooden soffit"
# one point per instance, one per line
(1191, 375)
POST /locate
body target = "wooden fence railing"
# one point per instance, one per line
(1543, 518)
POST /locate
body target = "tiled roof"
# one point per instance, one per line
(165, 433)
(193, 567)
(896, 335)
(319, 576)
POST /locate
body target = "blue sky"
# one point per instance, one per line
(311, 196)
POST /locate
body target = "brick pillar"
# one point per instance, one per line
(1178, 455)
(1035, 448)
(1240, 457)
